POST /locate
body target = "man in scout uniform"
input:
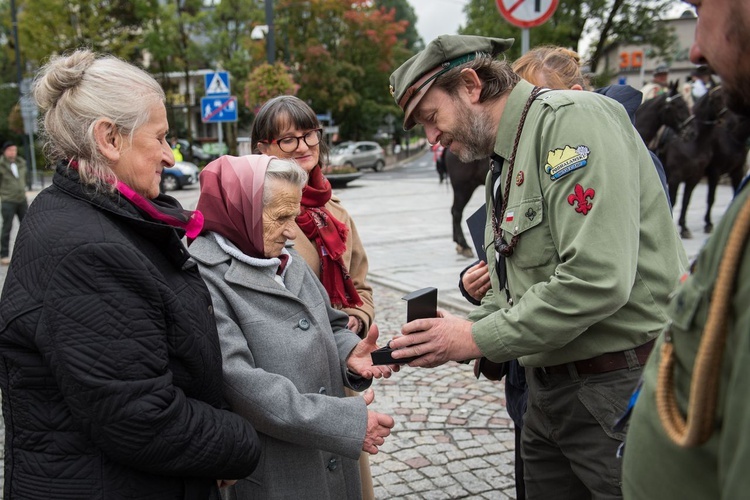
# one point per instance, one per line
(576, 208)
(689, 434)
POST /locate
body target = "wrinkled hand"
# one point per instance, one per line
(436, 341)
(355, 324)
(360, 361)
(379, 426)
(476, 280)
(223, 483)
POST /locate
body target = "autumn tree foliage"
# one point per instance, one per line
(267, 81)
(343, 52)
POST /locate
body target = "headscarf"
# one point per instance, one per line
(231, 200)
(329, 237)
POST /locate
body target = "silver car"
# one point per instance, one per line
(362, 154)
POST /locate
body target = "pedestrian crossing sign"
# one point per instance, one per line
(217, 83)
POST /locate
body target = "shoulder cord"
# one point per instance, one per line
(697, 427)
(506, 249)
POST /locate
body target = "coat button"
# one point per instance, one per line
(211, 310)
(304, 324)
(322, 390)
(332, 464)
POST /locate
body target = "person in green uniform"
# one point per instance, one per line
(575, 206)
(689, 435)
(12, 195)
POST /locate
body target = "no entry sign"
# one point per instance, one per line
(526, 13)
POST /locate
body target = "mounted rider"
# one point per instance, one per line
(659, 83)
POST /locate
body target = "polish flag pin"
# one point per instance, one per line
(508, 216)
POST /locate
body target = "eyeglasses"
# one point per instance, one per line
(290, 144)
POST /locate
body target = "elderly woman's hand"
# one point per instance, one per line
(379, 426)
(360, 362)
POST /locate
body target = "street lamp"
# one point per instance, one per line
(270, 41)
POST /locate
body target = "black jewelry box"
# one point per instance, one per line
(419, 304)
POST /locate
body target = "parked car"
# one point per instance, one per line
(362, 154)
(183, 173)
(197, 154)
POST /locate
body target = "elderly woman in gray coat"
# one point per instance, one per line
(287, 353)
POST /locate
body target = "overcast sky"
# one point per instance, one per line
(438, 17)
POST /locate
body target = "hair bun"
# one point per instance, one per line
(60, 74)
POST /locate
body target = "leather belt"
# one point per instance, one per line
(607, 362)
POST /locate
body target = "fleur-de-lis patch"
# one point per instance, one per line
(530, 213)
(581, 198)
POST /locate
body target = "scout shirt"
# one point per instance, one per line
(598, 252)
(653, 466)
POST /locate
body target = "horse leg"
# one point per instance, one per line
(684, 231)
(673, 187)
(713, 181)
(459, 203)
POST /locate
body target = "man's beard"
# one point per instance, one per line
(475, 133)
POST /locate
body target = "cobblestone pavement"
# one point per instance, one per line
(453, 437)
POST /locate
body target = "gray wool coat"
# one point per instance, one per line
(284, 352)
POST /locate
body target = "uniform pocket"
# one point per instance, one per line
(535, 246)
(606, 396)
(684, 304)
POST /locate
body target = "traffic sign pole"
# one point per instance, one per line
(526, 14)
(217, 89)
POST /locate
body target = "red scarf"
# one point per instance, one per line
(329, 237)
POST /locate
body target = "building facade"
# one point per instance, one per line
(634, 64)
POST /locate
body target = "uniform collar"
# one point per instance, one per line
(511, 117)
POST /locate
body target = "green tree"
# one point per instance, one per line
(49, 27)
(608, 21)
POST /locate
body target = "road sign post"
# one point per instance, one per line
(526, 14)
(218, 106)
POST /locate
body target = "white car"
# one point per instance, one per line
(362, 154)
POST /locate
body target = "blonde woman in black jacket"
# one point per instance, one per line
(110, 366)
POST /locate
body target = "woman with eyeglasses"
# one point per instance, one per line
(286, 127)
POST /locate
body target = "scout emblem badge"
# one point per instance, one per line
(563, 161)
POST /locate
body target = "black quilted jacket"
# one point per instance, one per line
(110, 366)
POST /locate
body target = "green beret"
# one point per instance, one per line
(410, 82)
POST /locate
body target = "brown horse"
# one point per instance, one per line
(712, 145)
(465, 179)
(666, 110)
(729, 147)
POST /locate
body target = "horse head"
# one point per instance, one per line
(674, 110)
(711, 106)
